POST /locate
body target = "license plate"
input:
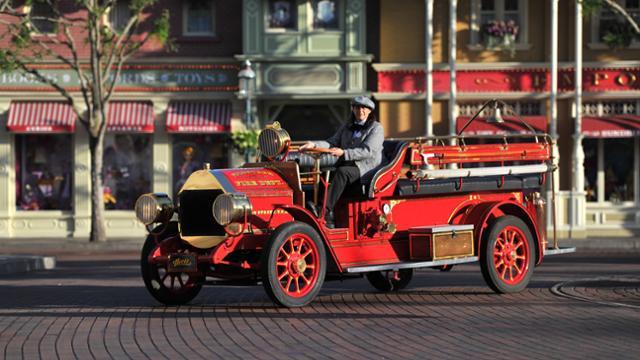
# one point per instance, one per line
(183, 263)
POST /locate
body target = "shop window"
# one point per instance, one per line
(610, 169)
(199, 18)
(190, 152)
(44, 172)
(282, 15)
(325, 14)
(609, 27)
(120, 14)
(127, 169)
(506, 16)
(42, 15)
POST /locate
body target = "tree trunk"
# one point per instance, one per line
(96, 147)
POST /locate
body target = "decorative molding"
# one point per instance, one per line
(303, 77)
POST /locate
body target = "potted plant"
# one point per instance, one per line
(501, 35)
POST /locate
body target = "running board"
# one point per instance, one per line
(559, 251)
(411, 265)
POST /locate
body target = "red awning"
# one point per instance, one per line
(41, 117)
(511, 125)
(130, 116)
(198, 117)
(614, 126)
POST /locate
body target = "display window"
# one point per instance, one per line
(190, 152)
(282, 15)
(610, 169)
(325, 14)
(127, 169)
(44, 175)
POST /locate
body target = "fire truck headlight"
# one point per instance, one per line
(153, 208)
(274, 140)
(228, 208)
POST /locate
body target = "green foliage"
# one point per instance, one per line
(161, 30)
(245, 140)
(589, 7)
(619, 35)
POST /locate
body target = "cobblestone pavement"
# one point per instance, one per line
(95, 306)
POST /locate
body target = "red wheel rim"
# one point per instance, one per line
(297, 265)
(175, 282)
(511, 255)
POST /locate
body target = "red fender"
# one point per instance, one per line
(480, 216)
(303, 215)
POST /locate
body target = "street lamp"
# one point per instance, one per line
(246, 86)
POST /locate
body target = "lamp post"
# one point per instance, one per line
(246, 86)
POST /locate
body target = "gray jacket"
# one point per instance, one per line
(365, 151)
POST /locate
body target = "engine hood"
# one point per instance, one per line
(263, 187)
(249, 181)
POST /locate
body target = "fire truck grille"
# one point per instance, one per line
(195, 216)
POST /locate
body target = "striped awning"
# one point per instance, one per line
(613, 126)
(130, 116)
(198, 117)
(41, 117)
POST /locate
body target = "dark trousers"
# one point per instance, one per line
(344, 175)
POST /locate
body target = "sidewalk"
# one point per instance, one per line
(29, 254)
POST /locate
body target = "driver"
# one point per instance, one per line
(358, 145)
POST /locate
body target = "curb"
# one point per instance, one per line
(11, 264)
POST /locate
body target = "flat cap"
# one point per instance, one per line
(363, 101)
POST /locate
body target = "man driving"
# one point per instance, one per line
(358, 145)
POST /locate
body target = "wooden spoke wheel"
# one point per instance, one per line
(388, 281)
(170, 288)
(293, 265)
(507, 255)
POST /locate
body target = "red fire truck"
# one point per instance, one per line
(436, 202)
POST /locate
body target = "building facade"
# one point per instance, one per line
(171, 112)
(310, 58)
(598, 146)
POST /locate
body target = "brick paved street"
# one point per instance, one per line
(95, 306)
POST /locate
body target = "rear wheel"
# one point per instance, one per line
(170, 288)
(506, 255)
(389, 281)
(294, 265)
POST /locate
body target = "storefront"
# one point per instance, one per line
(310, 60)
(609, 127)
(162, 124)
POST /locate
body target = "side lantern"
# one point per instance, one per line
(274, 140)
(154, 208)
(228, 208)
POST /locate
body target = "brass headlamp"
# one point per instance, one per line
(228, 208)
(154, 208)
(274, 140)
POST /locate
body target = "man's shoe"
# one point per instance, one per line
(329, 220)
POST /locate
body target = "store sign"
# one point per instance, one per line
(510, 80)
(138, 78)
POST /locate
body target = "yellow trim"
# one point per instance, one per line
(202, 180)
(204, 242)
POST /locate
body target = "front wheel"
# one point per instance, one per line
(506, 255)
(170, 288)
(293, 265)
(386, 281)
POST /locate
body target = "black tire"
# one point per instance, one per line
(157, 283)
(293, 265)
(384, 281)
(507, 255)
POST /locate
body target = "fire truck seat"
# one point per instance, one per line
(407, 187)
(391, 151)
